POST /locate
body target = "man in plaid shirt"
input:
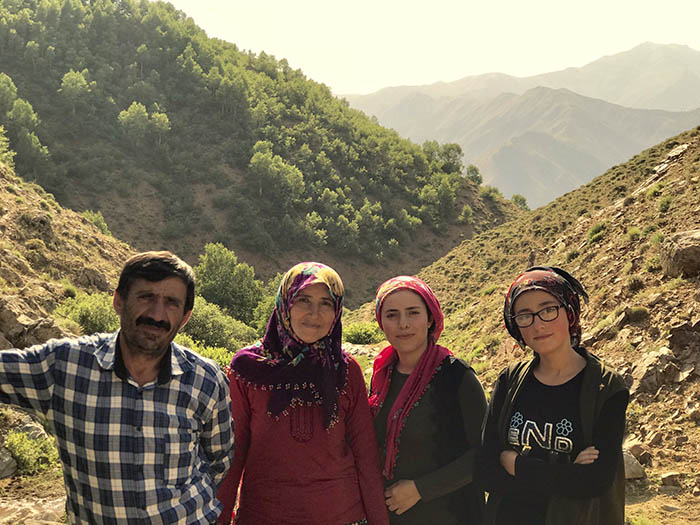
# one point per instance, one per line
(143, 425)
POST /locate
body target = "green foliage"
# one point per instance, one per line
(222, 356)
(466, 216)
(664, 203)
(633, 233)
(96, 218)
(596, 232)
(657, 238)
(641, 520)
(212, 327)
(33, 456)
(570, 256)
(490, 193)
(654, 191)
(634, 283)
(127, 94)
(474, 175)
(653, 265)
(262, 312)
(69, 289)
(488, 290)
(363, 333)
(93, 312)
(221, 279)
(638, 313)
(520, 201)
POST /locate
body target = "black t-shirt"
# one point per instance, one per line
(545, 424)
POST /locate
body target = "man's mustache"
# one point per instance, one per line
(165, 325)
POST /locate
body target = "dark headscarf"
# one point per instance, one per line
(298, 373)
(556, 282)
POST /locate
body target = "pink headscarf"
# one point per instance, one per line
(418, 381)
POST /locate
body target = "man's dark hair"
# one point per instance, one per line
(154, 267)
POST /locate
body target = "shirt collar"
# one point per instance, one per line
(174, 362)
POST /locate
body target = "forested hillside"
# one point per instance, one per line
(129, 108)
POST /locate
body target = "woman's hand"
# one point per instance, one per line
(587, 456)
(508, 461)
(401, 496)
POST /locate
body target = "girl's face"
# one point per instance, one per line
(544, 337)
(312, 313)
(405, 321)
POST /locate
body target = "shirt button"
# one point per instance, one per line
(138, 429)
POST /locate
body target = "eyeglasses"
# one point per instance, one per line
(547, 314)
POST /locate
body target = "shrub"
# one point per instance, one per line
(653, 265)
(32, 455)
(93, 312)
(657, 238)
(222, 356)
(96, 218)
(634, 283)
(363, 333)
(633, 233)
(638, 313)
(490, 193)
(648, 229)
(654, 191)
(664, 204)
(488, 290)
(210, 326)
(596, 232)
(69, 289)
(573, 254)
(466, 216)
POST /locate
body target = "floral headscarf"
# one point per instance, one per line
(416, 384)
(298, 373)
(556, 282)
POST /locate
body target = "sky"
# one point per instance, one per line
(362, 46)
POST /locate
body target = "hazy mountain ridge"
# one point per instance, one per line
(486, 115)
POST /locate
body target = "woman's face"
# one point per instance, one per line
(405, 321)
(312, 313)
(544, 337)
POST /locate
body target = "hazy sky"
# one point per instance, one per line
(365, 45)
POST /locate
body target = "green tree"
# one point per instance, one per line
(160, 124)
(75, 88)
(211, 326)
(221, 279)
(474, 175)
(520, 201)
(134, 121)
(8, 94)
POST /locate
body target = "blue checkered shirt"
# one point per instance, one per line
(138, 455)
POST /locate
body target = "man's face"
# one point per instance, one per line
(151, 314)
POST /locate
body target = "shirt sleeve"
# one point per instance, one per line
(217, 435)
(240, 408)
(459, 472)
(583, 481)
(27, 376)
(363, 443)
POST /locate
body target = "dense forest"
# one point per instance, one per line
(101, 97)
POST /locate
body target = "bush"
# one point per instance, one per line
(488, 290)
(466, 216)
(638, 313)
(210, 326)
(93, 312)
(222, 356)
(653, 265)
(69, 289)
(363, 333)
(96, 218)
(657, 238)
(596, 232)
(489, 193)
(573, 254)
(664, 204)
(654, 191)
(634, 284)
(633, 233)
(32, 455)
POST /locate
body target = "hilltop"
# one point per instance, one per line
(129, 108)
(615, 235)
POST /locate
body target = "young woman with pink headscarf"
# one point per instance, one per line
(428, 408)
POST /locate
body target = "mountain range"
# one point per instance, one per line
(545, 135)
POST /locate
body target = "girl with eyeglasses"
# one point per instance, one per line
(552, 440)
